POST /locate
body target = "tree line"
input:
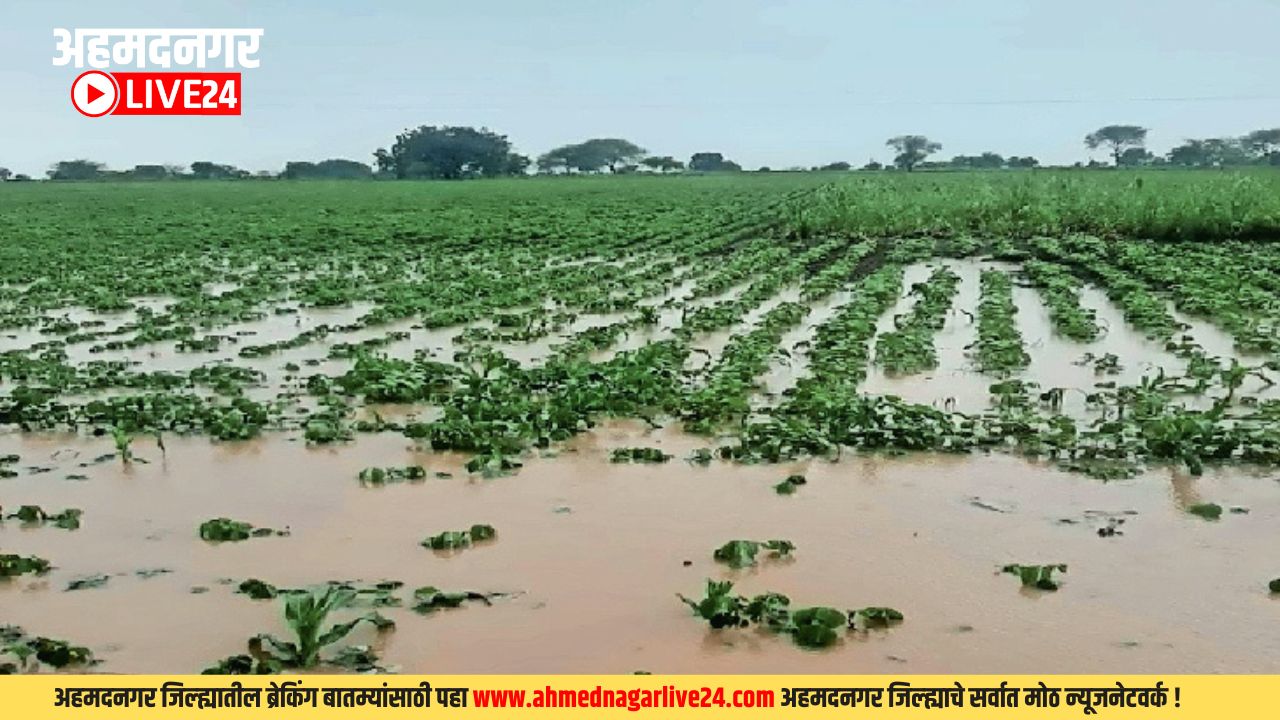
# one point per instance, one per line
(1125, 143)
(202, 170)
(454, 153)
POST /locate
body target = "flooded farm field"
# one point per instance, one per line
(591, 549)
(735, 447)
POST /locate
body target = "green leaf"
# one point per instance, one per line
(869, 617)
(1208, 511)
(448, 540)
(814, 636)
(825, 616)
(737, 553)
(380, 621)
(243, 665)
(480, 533)
(285, 650)
(1037, 576)
(357, 658)
(770, 609)
(338, 631)
(59, 653)
(257, 589)
(638, 455)
(815, 627)
(14, 565)
(225, 530)
(68, 519)
(85, 583)
(30, 514)
(790, 484)
(428, 599)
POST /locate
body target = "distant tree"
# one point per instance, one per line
(4, 174)
(705, 161)
(560, 159)
(664, 163)
(21, 177)
(764, 169)
(712, 162)
(873, 165)
(841, 165)
(1212, 152)
(299, 170)
(613, 153)
(344, 169)
(595, 154)
(76, 170)
(987, 160)
(912, 150)
(1118, 138)
(149, 172)
(327, 170)
(448, 153)
(1189, 154)
(1229, 151)
(1135, 157)
(518, 164)
(552, 162)
(1265, 143)
(205, 170)
(1022, 162)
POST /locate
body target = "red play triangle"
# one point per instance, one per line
(93, 94)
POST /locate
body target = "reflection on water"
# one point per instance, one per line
(1056, 361)
(706, 349)
(955, 378)
(597, 551)
(786, 370)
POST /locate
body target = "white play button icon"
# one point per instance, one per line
(94, 93)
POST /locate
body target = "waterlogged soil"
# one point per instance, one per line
(596, 553)
(592, 554)
(792, 362)
(1056, 361)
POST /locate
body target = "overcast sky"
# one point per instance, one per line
(767, 83)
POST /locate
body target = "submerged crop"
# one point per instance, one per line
(475, 332)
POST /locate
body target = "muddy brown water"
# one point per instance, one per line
(597, 551)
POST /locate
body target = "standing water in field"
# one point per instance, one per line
(941, 526)
(522, 420)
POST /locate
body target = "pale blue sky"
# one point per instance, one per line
(767, 83)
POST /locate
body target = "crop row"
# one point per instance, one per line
(1000, 350)
(908, 349)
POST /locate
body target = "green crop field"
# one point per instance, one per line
(189, 369)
